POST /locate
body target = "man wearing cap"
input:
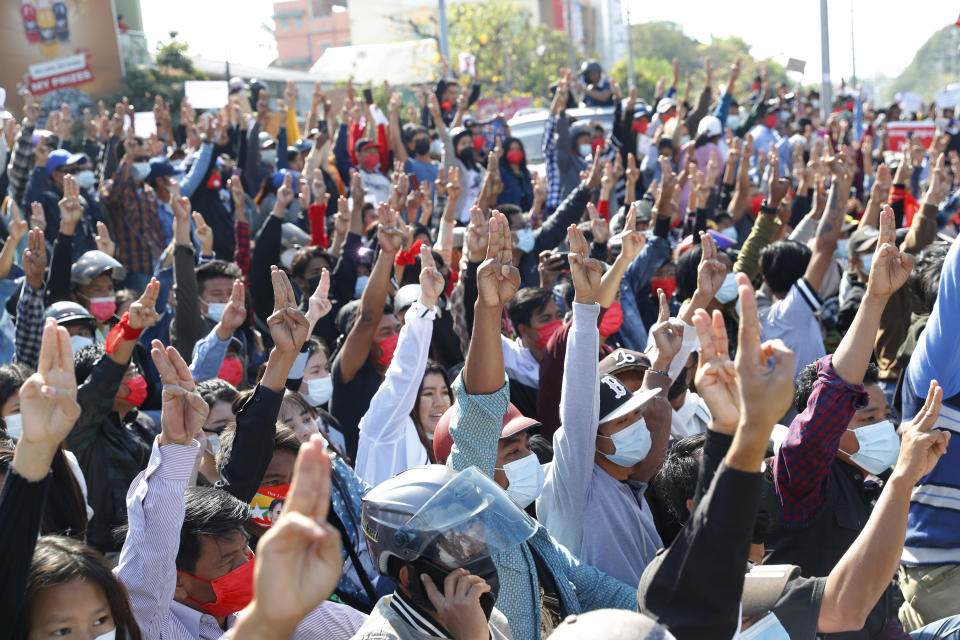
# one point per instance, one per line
(541, 582)
(131, 207)
(163, 173)
(47, 189)
(375, 182)
(93, 280)
(78, 322)
(586, 502)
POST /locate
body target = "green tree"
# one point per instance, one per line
(513, 56)
(933, 67)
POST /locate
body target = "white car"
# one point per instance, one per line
(528, 125)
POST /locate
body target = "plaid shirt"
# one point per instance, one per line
(801, 469)
(29, 325)
(21, 161)
(554, 187)
(131, 212)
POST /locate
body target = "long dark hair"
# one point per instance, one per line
(65, 511)
(506, 148)
(58, 560)
(432, 367)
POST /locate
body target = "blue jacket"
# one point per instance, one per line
(633, 332)
(933, 526)
(475, 429)
(517, 190)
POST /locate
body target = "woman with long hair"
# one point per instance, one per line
(517, 184)
(71, 591)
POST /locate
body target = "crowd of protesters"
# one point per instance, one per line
(356, 373)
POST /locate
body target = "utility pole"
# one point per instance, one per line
(571, 56)
(853, 50)
(826, 90)
(444, 40)
(630, 79)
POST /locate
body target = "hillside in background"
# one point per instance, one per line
(935, 65)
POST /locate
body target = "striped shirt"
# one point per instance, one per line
(416, 618)
(147, 565)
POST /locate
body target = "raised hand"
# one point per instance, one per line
(343, 217)
(755, 378)
(48, 404)
(234, 314)
(183, 410)
(711, 272)
(940, 185)
(631, 240)
(890, 265)
(143, 312)
(303, 196)
(920, 445)
(599, 226)
(778, 186)
(632, 172)
(431, 281)
(595, 173)
(17, 225)
(204, 234)
(37, 218)
(235, 184)
(497, 278)
(284, 195)
(667, 337)
(104, 242)
(716, 378)
(180, 205)
(585, 271)
(477, 236)
(319, 303)
(35, 258)
(70, 208)
(298, 559)
(288, 325)
(390, 230)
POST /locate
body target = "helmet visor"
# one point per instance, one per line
(468, 518)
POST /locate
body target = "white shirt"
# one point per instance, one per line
(794, 320)
(519, 362)
(690, 419)
(389, 442)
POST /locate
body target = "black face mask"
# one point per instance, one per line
(466, 157)
(312, 284)
(679, 385)
(482, 568)
(421, 146)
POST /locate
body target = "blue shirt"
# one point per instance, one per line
(603, 85)
(425, 171)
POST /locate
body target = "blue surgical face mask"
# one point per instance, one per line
(268, 156)
(730, 232)
(733, 121)
(728, 290)
(631, 445)
(215, 310)
(78, 342)
(867, 260)
(85, 179)
(841, 251)
(684, 140)
(525, 240)
(360, 286)
(766, 628)
(585, 149)
(879, 447)
(526, 479)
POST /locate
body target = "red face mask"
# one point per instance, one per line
(479, 142)
(669, 286)
(387, 347)
(515, 157)
(612, 320)
(546, 331)
(234, 590)
(446, 106)
(771, 121)
(640, 126)
(103, 308)
(231, 370)
(138, 390)
(370, 161)
(596, 143)
(214, 182)
(263, 506)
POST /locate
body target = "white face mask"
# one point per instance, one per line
(286, 257)
(730, 232)
(213, 443)
(526, 478)
(766, 628)
(867, 260)
(436, 148)
(79, 342)
(728, 290)
(631, 445)
(84, 179)
(840, 252)
(319, 390)
(525, 240)
(215, 310)
(268, 156)
(585, 149)
(109, 635)
(879, 447)
(733, 121)
(14, 423)
(141, 170)
(360, 286)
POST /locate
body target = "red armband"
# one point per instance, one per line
(121, 331)
(408, 257)
(603, 208)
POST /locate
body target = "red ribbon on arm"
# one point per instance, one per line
(121, 331)
(408, 257)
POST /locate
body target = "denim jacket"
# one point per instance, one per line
(475, 429)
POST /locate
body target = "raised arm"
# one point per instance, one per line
(828, 232)
(356, 348)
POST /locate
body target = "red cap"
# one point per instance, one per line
(513, 423)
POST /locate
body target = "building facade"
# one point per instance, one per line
(304, 29)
